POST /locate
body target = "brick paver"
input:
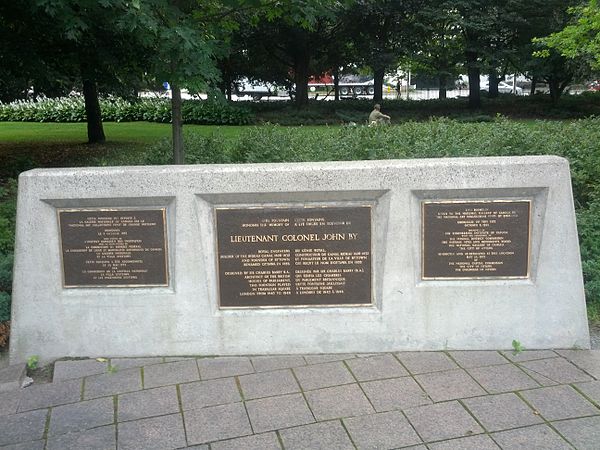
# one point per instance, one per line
(437, 400)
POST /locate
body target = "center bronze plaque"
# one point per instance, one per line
(112, 248)
(475, 239)
(317, 256)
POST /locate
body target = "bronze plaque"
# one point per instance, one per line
(475, 239)
(317, 256)
(112, 248)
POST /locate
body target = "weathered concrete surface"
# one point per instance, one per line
(409, 313)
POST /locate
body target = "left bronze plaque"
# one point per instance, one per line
(114, 247)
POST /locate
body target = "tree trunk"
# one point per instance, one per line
(95, 131)
(301, 79)
(473, 72)
(442, 86)
(493, 84)
(336, 84)
(177, 124)
(533, 83)
(379, 73)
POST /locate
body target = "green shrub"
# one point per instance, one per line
(4, 307)
(6, 265)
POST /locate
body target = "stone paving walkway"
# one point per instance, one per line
(420, 400)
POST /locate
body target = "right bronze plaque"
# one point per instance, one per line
(464, 239)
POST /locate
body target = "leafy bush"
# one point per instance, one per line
(4, 307)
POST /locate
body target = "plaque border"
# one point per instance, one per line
(269, 307)
(90, 209)
(513, 277)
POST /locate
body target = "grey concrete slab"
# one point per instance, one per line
(479, 442)
(424, 362)
(266, 363)
(265, 441)
(591, 390)
(588, 360)
(338, 401)
(559, 402)
(323, 375)
(449, 385)
(32, 445)
(112, 383)
(468, 359)
(541, 379)
(224, 367)
(81, 416)
(129, 363)
(320, 359)
(198, 447)
(147, 403)
(11, 377)
(273, 413)
(381, 431)
(376, 367)
(538, 437)
(155, 433)
(178, 358)
(442, 421)
(528, 355)
(216, 423)
(101, 438)
(268, 384)
(317, 436)
(170, 373)
(50, 394)
(501, 412)
(64, 370)
(9, 402)
(557, 369)
(583, 433)
(23, 427)
(215, 392)
(502, 378)
(395, 393)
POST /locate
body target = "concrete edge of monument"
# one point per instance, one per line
(332, 257)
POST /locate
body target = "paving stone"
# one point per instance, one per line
(449, 385)
(102, 438)
(11, 377)
(265, 441)
(477, 358)
(559, 402)
(317, 436)
(442, 421)
(502, 378)
(323, 375)
(170, 373)
(501, 412)
(266, 363)
(50, 394)
(268, 384)
(424, 362)
(557, 369)
(113, 383)
(338, 401)
(147, 403)
(273, 413)
(65, 370)
(541, 379)
(588, 360)
(156, 433)
(479, 442)
(129, 363)
(396, 393)
(32, 445)
(529, 355)
(224, 367)
(320, 359)
(382, 430)
(178, 358)
(9, 402)
(216, 423)
(584, 433)
(376, 367)
(81, 416)
(197, 447)
(209, 393)
(536, 437)
(23, 427)
(591, 390)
